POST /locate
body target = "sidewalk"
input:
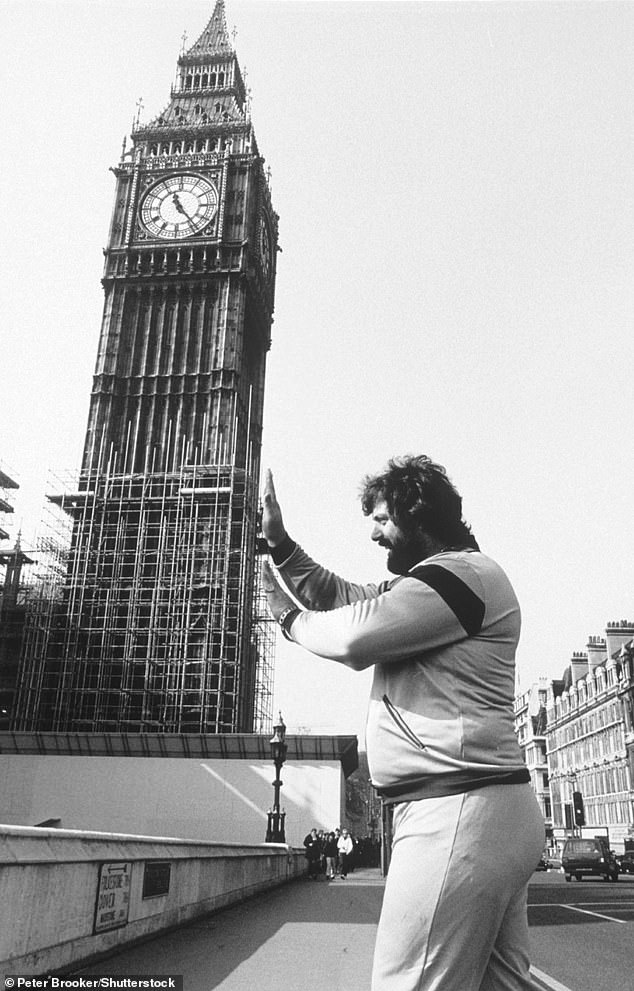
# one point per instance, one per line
(304, 936)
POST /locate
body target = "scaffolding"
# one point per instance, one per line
(6, 506)
(156, 624)
(14, 590)
(148, 616)
(264, 631)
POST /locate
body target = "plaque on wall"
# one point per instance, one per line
(113, 896)
(156, 878)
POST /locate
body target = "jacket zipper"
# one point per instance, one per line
(400, 722)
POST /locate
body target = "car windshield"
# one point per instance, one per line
(581, 846)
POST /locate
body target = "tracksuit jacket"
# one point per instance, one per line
(442, 640)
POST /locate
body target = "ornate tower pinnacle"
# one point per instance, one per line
(215, 38)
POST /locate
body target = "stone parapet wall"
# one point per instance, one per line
(62, 892)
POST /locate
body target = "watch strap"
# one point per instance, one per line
(286, 619)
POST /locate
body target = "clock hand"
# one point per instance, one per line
(179, 206)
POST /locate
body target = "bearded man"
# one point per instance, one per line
(441, 637)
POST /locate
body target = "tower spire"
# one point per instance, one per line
(215, 38)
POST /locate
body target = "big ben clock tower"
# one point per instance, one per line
(154, 630)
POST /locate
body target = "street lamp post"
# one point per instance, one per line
(275, 829)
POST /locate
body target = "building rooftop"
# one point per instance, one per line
(221, 746)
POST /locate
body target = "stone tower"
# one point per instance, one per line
(153, 630)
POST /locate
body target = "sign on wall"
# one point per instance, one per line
(156, 878)
(113, 896)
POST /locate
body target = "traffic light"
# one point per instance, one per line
(577, 805)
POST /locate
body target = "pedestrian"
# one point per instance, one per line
(337, 835)
(321, 836)
(330, 852)
(441, 636)
(345, 847)
(313, 853)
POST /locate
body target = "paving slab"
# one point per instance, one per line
(304, 936)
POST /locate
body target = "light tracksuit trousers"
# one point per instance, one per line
(454, 910)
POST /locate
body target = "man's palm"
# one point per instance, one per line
(272, 523)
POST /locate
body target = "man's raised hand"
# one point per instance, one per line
(272, 523)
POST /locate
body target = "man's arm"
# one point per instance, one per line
(314, 586)
(412, 617)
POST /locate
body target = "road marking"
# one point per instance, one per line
(626, 902)
(597, 915)
(548, 981)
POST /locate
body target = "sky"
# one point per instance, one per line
(454, 187)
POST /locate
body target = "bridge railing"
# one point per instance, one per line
(69, 896)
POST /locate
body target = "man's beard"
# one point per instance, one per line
(402, 557)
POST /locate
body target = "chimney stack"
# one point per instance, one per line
(597, 652)
(578, 666)
(617, 634)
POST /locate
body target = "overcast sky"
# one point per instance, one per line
(454, 186)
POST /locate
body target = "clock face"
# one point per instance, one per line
(264, 245)
(178, 207)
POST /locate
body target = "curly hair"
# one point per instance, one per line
(419, 494)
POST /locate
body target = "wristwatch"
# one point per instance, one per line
(286, 618)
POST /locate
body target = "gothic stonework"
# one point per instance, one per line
(155, 628)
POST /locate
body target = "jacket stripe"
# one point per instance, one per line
(463, 602)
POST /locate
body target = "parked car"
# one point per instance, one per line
(589, 856)
(543, 864)
(626, 862)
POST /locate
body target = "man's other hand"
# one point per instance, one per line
(277, 598)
